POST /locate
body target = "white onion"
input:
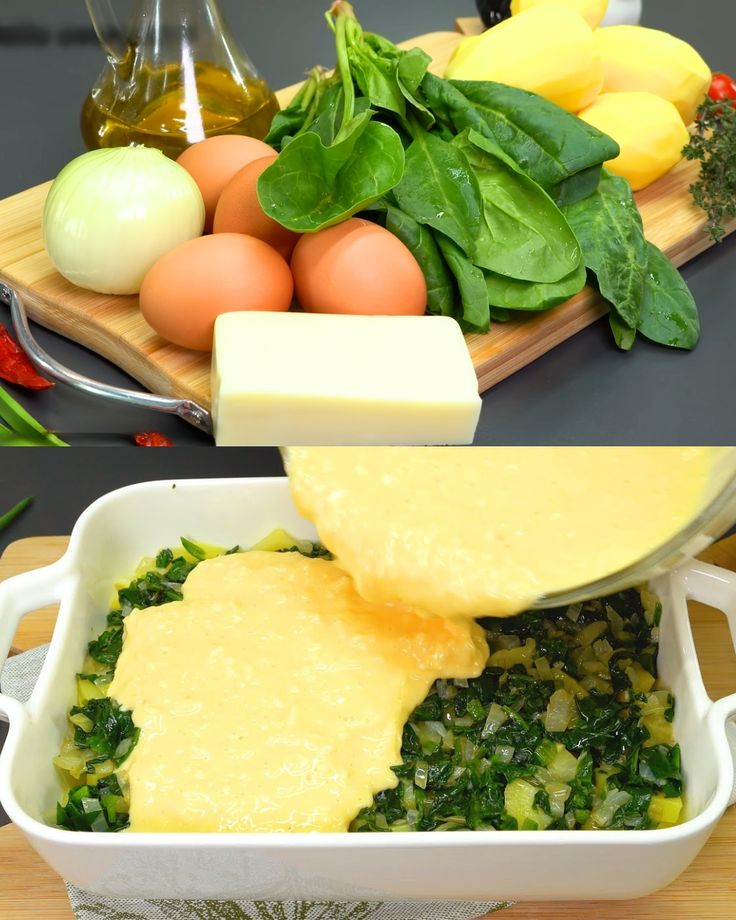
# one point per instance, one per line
(111, 213)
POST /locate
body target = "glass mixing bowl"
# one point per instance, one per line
(717, 514)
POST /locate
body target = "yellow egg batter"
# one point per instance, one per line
(273, 697)
(486, 531)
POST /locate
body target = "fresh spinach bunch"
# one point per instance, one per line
(499, 194)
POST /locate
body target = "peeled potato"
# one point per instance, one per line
(648, 130)
(592, 11)
(547, 50)
(636, 59)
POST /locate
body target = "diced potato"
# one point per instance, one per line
(665, 811)
(519, 803)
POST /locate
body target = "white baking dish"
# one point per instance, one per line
(107, 543)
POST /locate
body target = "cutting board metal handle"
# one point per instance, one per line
(186, 409)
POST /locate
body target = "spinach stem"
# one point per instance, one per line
(343, 13)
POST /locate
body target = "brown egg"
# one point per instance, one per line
(357, 267)
(190, 286)
(240, 211)
(213, 162)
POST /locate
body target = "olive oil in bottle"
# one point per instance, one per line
(166, 110)
(172, 77)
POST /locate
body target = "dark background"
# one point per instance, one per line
(585, 391)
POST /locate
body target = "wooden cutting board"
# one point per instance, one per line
(706, 891)
(113, 327)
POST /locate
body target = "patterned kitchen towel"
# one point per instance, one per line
(88, 906)
(17, 680)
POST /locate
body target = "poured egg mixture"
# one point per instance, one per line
(486, 531)
(273, 696)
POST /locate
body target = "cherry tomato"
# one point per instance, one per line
(722, 87)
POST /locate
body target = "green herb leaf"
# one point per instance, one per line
(193, 549)
(18, 428)
(9, 516)
(714, 146)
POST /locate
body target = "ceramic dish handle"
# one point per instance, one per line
(716, 587)
(19, 596)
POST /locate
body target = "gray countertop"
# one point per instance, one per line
(585, 391)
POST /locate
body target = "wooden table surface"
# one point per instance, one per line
(706, 891)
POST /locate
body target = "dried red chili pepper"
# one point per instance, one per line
(16, 367)
(152, 439)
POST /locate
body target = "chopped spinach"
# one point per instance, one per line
(478, 753)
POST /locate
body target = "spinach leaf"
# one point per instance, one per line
(106, 648)
(311, 186)
(547, 142)
(512, 294)
(623, 335)
(669, 314)
(99, 808)
(328, 114)
(410, 71)
(376, 79)
(111, 734)
(420, 241)
(439, 188)
(609, 228)
(301, 110)
(577, 187)
(471, 284)
(524, 234)
(469, 740)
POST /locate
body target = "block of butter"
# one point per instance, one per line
(285, 379)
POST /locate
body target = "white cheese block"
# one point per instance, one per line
(281, 379)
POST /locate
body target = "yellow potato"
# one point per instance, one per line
(592, 11)
(648, 129)
(636, 59)
(548, 50)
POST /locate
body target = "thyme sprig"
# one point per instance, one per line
(714, 145)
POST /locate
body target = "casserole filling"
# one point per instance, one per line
(560, 725)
